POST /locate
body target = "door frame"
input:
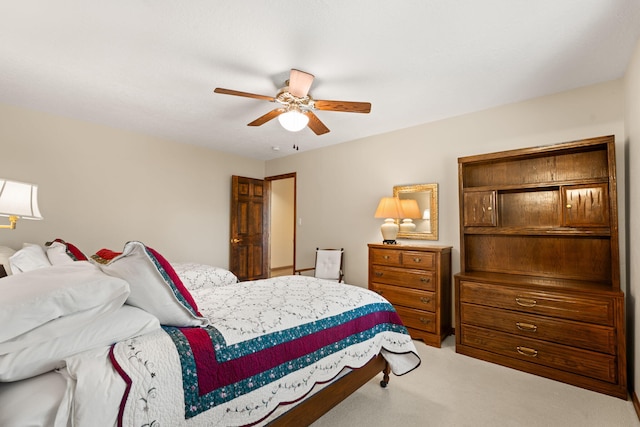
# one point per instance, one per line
(268, 181)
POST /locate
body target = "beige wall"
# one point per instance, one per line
(100, 187)
(338, 187)
(632, 91)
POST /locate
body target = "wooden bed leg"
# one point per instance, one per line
(385, 375)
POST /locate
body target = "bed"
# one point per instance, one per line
(185, 344)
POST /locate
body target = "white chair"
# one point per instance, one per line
(328, 264)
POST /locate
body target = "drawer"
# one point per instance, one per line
(418, 279)
(386, 256)
(413, 298)
(415, 259)
(583, 309)
(417, 319)
(582, 335)
(570, 359)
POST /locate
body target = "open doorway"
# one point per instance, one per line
(282, 224)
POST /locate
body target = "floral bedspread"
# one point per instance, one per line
(270, 341)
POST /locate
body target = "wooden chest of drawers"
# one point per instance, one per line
(568, 336)
(417, 281)
(539, 285)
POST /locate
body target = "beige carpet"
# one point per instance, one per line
(449, 389)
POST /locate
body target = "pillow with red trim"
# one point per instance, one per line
(61, 252)
(155, 286)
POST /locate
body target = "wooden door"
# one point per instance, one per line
(248, 255)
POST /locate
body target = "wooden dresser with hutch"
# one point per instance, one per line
(417, 281)
(539, 287)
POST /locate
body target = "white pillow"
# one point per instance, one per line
(57, 254)
(30, 257)
(155, 286)
(61, 252)
(5, 254)
(197, 276)
(33, 402)
(124, 323)
(55, 300)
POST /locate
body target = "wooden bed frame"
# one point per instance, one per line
(323, 401)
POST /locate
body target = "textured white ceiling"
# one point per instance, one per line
(151, 65)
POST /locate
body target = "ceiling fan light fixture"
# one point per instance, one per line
(293, 120)
(296, 106)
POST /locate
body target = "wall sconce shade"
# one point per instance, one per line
(293, 120)
(18, 200)
(389, 208)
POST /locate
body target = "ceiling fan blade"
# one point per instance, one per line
(344, 106)
(265, 118)
(315, 124)
(245, 94)
(299, 83)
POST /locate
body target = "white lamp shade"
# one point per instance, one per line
(389, 207)
(19, 199)
(293, 120)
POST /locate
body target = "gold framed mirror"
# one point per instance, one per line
(423, 223)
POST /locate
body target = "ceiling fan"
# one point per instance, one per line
(296, 104)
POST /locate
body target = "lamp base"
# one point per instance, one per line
(389, 242)
(389, 231)
(407, 226)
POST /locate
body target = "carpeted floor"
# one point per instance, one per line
(449, 389)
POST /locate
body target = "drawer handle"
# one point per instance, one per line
(417, 259)
(526, 351)
(424, 321)
(386, 256)
(378, 273)
(528, 327)
(568, 206)
(425, 279)
(526, 302)
(425, 300)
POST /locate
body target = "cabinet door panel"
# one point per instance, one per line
(586, 205)
(480, 209)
